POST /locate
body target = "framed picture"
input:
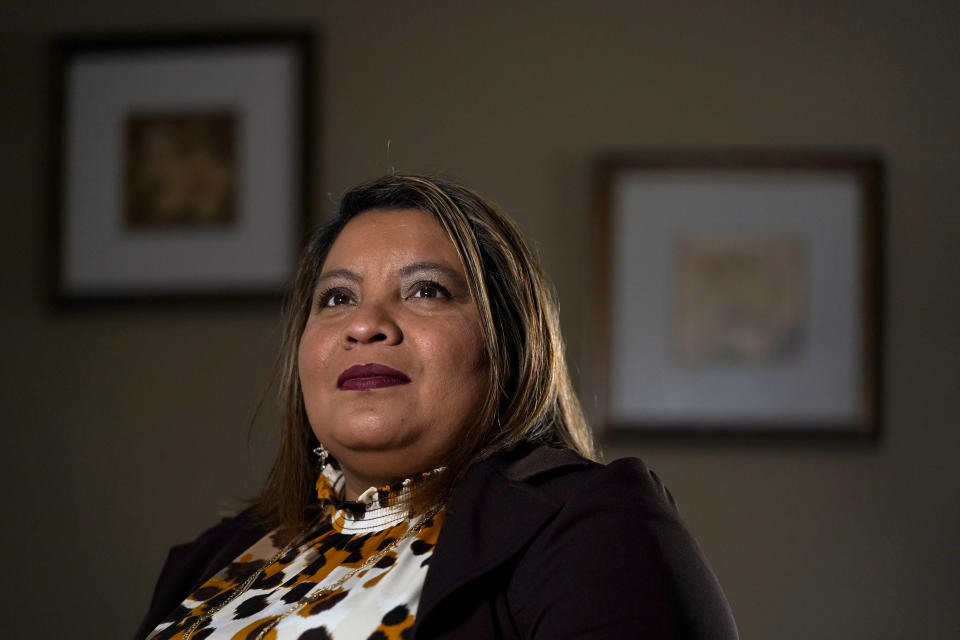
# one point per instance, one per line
(181, 165)
(739, 292)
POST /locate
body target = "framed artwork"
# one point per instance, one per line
(740, 293)
(181, 165)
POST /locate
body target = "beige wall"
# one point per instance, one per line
(124, 428)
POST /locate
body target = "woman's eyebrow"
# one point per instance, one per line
(430, 267)
(340, 274)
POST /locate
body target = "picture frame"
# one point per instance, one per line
(740, 293)
(181, 165)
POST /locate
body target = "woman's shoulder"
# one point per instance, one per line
(232, 533)
(188, 565)
(567, 476)
(616, 533)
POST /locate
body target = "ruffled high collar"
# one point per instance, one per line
(375, 509)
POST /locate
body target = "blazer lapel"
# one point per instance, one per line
(491, 516)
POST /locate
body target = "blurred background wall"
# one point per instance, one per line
(124, 429)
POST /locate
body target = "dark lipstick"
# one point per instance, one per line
(362, 377)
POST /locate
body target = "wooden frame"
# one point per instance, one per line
(181, 165)
(739, 293)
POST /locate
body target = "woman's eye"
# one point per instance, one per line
(429, 290)
(426, 292)
(334, 298)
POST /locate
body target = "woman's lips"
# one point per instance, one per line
(362, 377)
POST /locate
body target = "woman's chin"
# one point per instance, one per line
(375, 452)
(370, 435)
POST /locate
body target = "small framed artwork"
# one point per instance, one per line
(181, 165)
(740, 294)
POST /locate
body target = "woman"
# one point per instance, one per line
(454, 492)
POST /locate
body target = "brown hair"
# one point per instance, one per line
(530, 395)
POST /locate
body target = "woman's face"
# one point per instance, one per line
(392, 361)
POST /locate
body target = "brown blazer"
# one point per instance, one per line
(537, 543)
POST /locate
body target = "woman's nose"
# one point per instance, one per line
(370, 323)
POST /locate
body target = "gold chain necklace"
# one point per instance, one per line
(311, 597)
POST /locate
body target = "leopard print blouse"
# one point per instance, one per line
(376, 602)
